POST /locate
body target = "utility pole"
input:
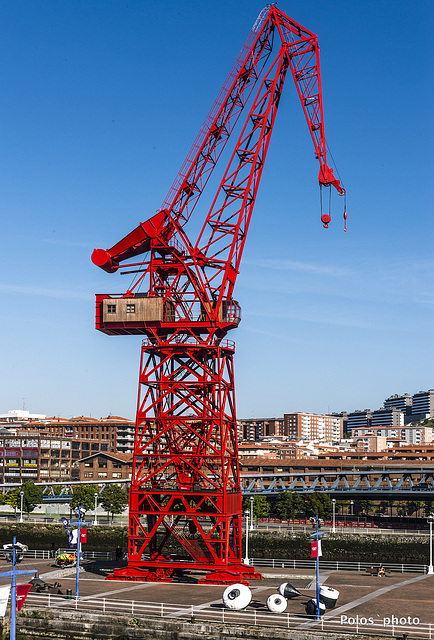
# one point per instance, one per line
(317, 537)
(79, 524)
(13, 575)
(430, 566)
(246, 559)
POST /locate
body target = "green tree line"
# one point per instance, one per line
(112, 498)
(291, 504)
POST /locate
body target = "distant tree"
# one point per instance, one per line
(57, 490)
(114, 499)
(401, 509)
(261, 506)
(413, 507)
(12, 498)
(327, 505)
(32, 496)
(429, 422)
(340, 506)
(284, 508)
(317, 503)
(289, 504)
(84, 497)
(428, 507)
(366, 506)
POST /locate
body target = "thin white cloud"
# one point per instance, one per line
(292, 265)
(321, 316)
(62, 242)
(43, 291)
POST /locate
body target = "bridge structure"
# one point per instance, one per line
(391, 484)
(410, 484)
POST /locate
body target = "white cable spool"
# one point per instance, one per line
(329, 596)
(276, 603)
(288, 591)
(237, 597)
(310, 608)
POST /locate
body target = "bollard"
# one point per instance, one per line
(69, 594)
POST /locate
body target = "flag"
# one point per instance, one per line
(22, 591)
(315, 549)
(65, 523)
(4, 597)
(83, 535)
(73, 541)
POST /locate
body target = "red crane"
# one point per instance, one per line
(185, 500)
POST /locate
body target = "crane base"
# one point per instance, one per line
(234, 573)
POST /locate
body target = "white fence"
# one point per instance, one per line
(274, 563)
(43, 554)
(391, 625)
(336, 565)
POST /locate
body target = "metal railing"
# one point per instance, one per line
(272, 563)
(348, 528)
(336, 565)
(37, 554)
(44, 554)
(392, 625)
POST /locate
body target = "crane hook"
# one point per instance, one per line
(325, 219)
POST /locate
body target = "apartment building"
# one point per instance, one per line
(408, 434)
(271, 450)
(389, 416)
(28, 455)
(367, 418)
(118, 432)
(105, 466)
(370, 443)
(402, 402)
(311, 426)
(253, 429)
(423, 405)
(370, 462)
(18, 417)
(358, 418)
(422, 456)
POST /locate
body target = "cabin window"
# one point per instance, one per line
(111, 308)
(131, 308)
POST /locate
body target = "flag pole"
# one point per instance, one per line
(77, 579)
(13, 593)
(317, 569)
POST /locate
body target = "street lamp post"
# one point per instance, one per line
(317, 537)
(352, 505)
(430, 566)
(246, 559)
(21, 505)
(95, 521)
(334, 515)
(251, 513)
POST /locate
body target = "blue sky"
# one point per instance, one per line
(100, 103)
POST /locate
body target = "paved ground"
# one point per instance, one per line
(398, 595)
